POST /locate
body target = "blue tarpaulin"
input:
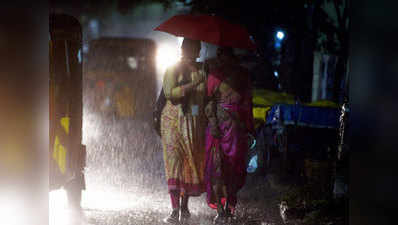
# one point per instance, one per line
(309, 116)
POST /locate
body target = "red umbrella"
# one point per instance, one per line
(210, 29)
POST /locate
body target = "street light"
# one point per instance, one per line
(280, 35)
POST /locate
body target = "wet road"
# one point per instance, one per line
(125, 182)
(258, 205)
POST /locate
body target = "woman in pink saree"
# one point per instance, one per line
(230, 117)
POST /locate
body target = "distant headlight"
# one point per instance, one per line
(166, 56)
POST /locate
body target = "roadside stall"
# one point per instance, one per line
(306, 137)
(264, 99)
(260, 154)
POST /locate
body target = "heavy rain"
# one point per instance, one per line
(85, 137)
(123, 61)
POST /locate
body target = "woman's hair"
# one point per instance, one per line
(190, 44)
(227, 51)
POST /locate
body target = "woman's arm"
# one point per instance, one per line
(211, 106)
(170, 88)
(211, 114)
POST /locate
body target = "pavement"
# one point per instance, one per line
(258, 204)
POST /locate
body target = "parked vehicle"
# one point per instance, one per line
(120, 76)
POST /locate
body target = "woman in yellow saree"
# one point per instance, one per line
(182, 129)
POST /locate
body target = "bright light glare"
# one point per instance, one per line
(115, 199)
(110, 200)
(180, 39)
(58, 199)
(90, 126)
(58, 202)
(10, 212)
(167, 56)
(280, 35)
(276, 73)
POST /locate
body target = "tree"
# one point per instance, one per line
(95, 6)
(332, 33)
(333, 26)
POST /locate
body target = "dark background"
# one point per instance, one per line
(373, 94)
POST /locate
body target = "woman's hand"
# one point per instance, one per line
(215, 132)
(198, 78)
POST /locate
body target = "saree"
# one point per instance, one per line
(226, 154)
(182, 128)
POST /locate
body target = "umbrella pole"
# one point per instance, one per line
(204, 62)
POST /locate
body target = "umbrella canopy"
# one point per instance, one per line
(207, 28)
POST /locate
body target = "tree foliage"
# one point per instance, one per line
(333, 33)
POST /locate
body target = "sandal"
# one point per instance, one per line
(185, 214)
(220, 218)
(172, 218)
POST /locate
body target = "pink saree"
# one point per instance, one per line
(226, 155)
